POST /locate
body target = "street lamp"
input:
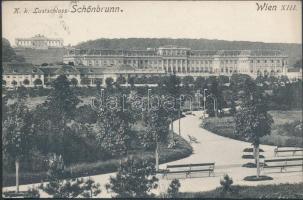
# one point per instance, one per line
(102, 93)
(181, 96)
(204, 101)
(148, 94)
(215, 106)
(198, 97)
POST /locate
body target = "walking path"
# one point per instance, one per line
(225, 152)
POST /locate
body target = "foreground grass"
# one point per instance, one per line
(182, 150)
(293, 191)
(225, 126)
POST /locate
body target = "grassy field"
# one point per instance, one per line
(32, 102)
(280, 136)
(291, 191)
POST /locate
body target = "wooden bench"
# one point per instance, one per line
(189, 168)
(277, 150)
(283, 163)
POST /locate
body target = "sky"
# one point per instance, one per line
(230, 20)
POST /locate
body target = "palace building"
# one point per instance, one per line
(184, 61)
(39, 42)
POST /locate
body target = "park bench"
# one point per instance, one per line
(187, 169)
(283, 163)
(277, 150)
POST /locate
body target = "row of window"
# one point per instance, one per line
(21, 76)
(188, 69)
(172, 52)
(268, 61)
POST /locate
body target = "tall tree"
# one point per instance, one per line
(62, 101)
(114, 129)
(17, 134)
(253, 121)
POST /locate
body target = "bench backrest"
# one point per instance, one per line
(191, 165)
(288, 150)
(284, 159)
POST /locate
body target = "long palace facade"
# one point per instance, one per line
(184, 61)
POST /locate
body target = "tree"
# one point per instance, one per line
(114, 132)
(14, 83)
(156, 121)
(188, 80)
(233, 107)
(171, 85)
(37, 82)
(26, 82)
(298, 64)
(173, 188)
(98, 85)
(22, 92)
(74, 82)
(253, 121)
(62, 101)
(3, 82)
(135, 179)
(90, 188)
(226, 183)
(17, 134)
(109, 82)
(223, 80)
(120, 80)
(199, 83)
(131, 81)
(8, 53)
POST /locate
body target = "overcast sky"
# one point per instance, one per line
(236, 20)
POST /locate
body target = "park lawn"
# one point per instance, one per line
(32, 102)
(285, 191)
(225, 126)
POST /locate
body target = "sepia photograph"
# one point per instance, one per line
(152, 99)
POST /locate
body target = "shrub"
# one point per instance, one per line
(226, 183)
(135, 178)
(254, 178)
(173, 188)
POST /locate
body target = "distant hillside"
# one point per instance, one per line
(39, 56)
(294, 51)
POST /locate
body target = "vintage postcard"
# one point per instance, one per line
(152, 99)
